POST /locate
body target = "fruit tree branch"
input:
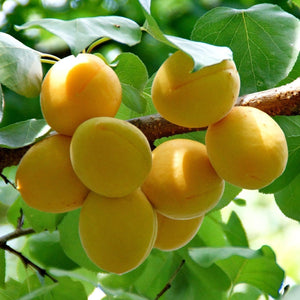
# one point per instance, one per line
(18, 232)
(283, 100)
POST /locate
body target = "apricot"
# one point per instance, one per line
(182, 183)
(194, 99)
(247, 148)
(117, 234)
(110, 156)
(78, 88)
(45, 177)
(173, 234)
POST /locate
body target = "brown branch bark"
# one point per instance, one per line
(283, 100)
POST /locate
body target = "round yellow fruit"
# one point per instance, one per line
(111, 157)
(45, 177)
(173, 234)
(194, 99)
(247, 148)
(182, 183)
(78, 88)
(117, 233)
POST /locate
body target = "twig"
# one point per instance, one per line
(169, 283)
(7, 181)
(18, 232)
(283, 100)
(27, 262)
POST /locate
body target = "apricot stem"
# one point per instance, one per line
(49, 58)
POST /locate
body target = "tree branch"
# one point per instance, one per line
(283, 100)
(18, 232)
(169, 283)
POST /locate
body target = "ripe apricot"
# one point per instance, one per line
(117, 233)
(247, 148)
(182, 184)
(79, 88)
(173, 234)
(111, 157)
(194, 99)
(45, 177)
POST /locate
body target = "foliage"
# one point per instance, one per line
(264, 41)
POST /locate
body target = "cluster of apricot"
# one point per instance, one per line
(132, 199)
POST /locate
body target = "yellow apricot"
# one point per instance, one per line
(45, 177)
(194, 99)
(79, 88)
(182, 183)
(247, 148)
(111, 157)
(173, 234)
(117, 233)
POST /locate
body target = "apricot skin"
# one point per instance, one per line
(45, 177)
(111, 157)
(79, 88)
(173, 234)
(182, 183)
(194, 99)
(247, 148)
(117, 233)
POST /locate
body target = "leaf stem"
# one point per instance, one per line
(52, 57)
(97, 43)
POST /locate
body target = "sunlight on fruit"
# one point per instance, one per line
(45, 177)
(182, 183)
(194, 99)
(247, 148)
(110, 156)
(117, 233)
(78, 88)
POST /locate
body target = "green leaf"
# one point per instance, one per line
(296, 2)
(133, 99)
(248, 293)
(211, 231)
(291, 127)
(288, 199)
(203, 54)
(80, 33)
(146, 5)
(70, 241)
(2, 268)
(45, 248)
(8, 194)
(264, 40)
(39, 220)
(131, 70)
(230, 192)
(257, 268)
(207, 256)
(20, 67)
(1, 103)
(68, 289)
(23, 133)
(235, 231)
(11, 291)
(44, 290)
(193, 280)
